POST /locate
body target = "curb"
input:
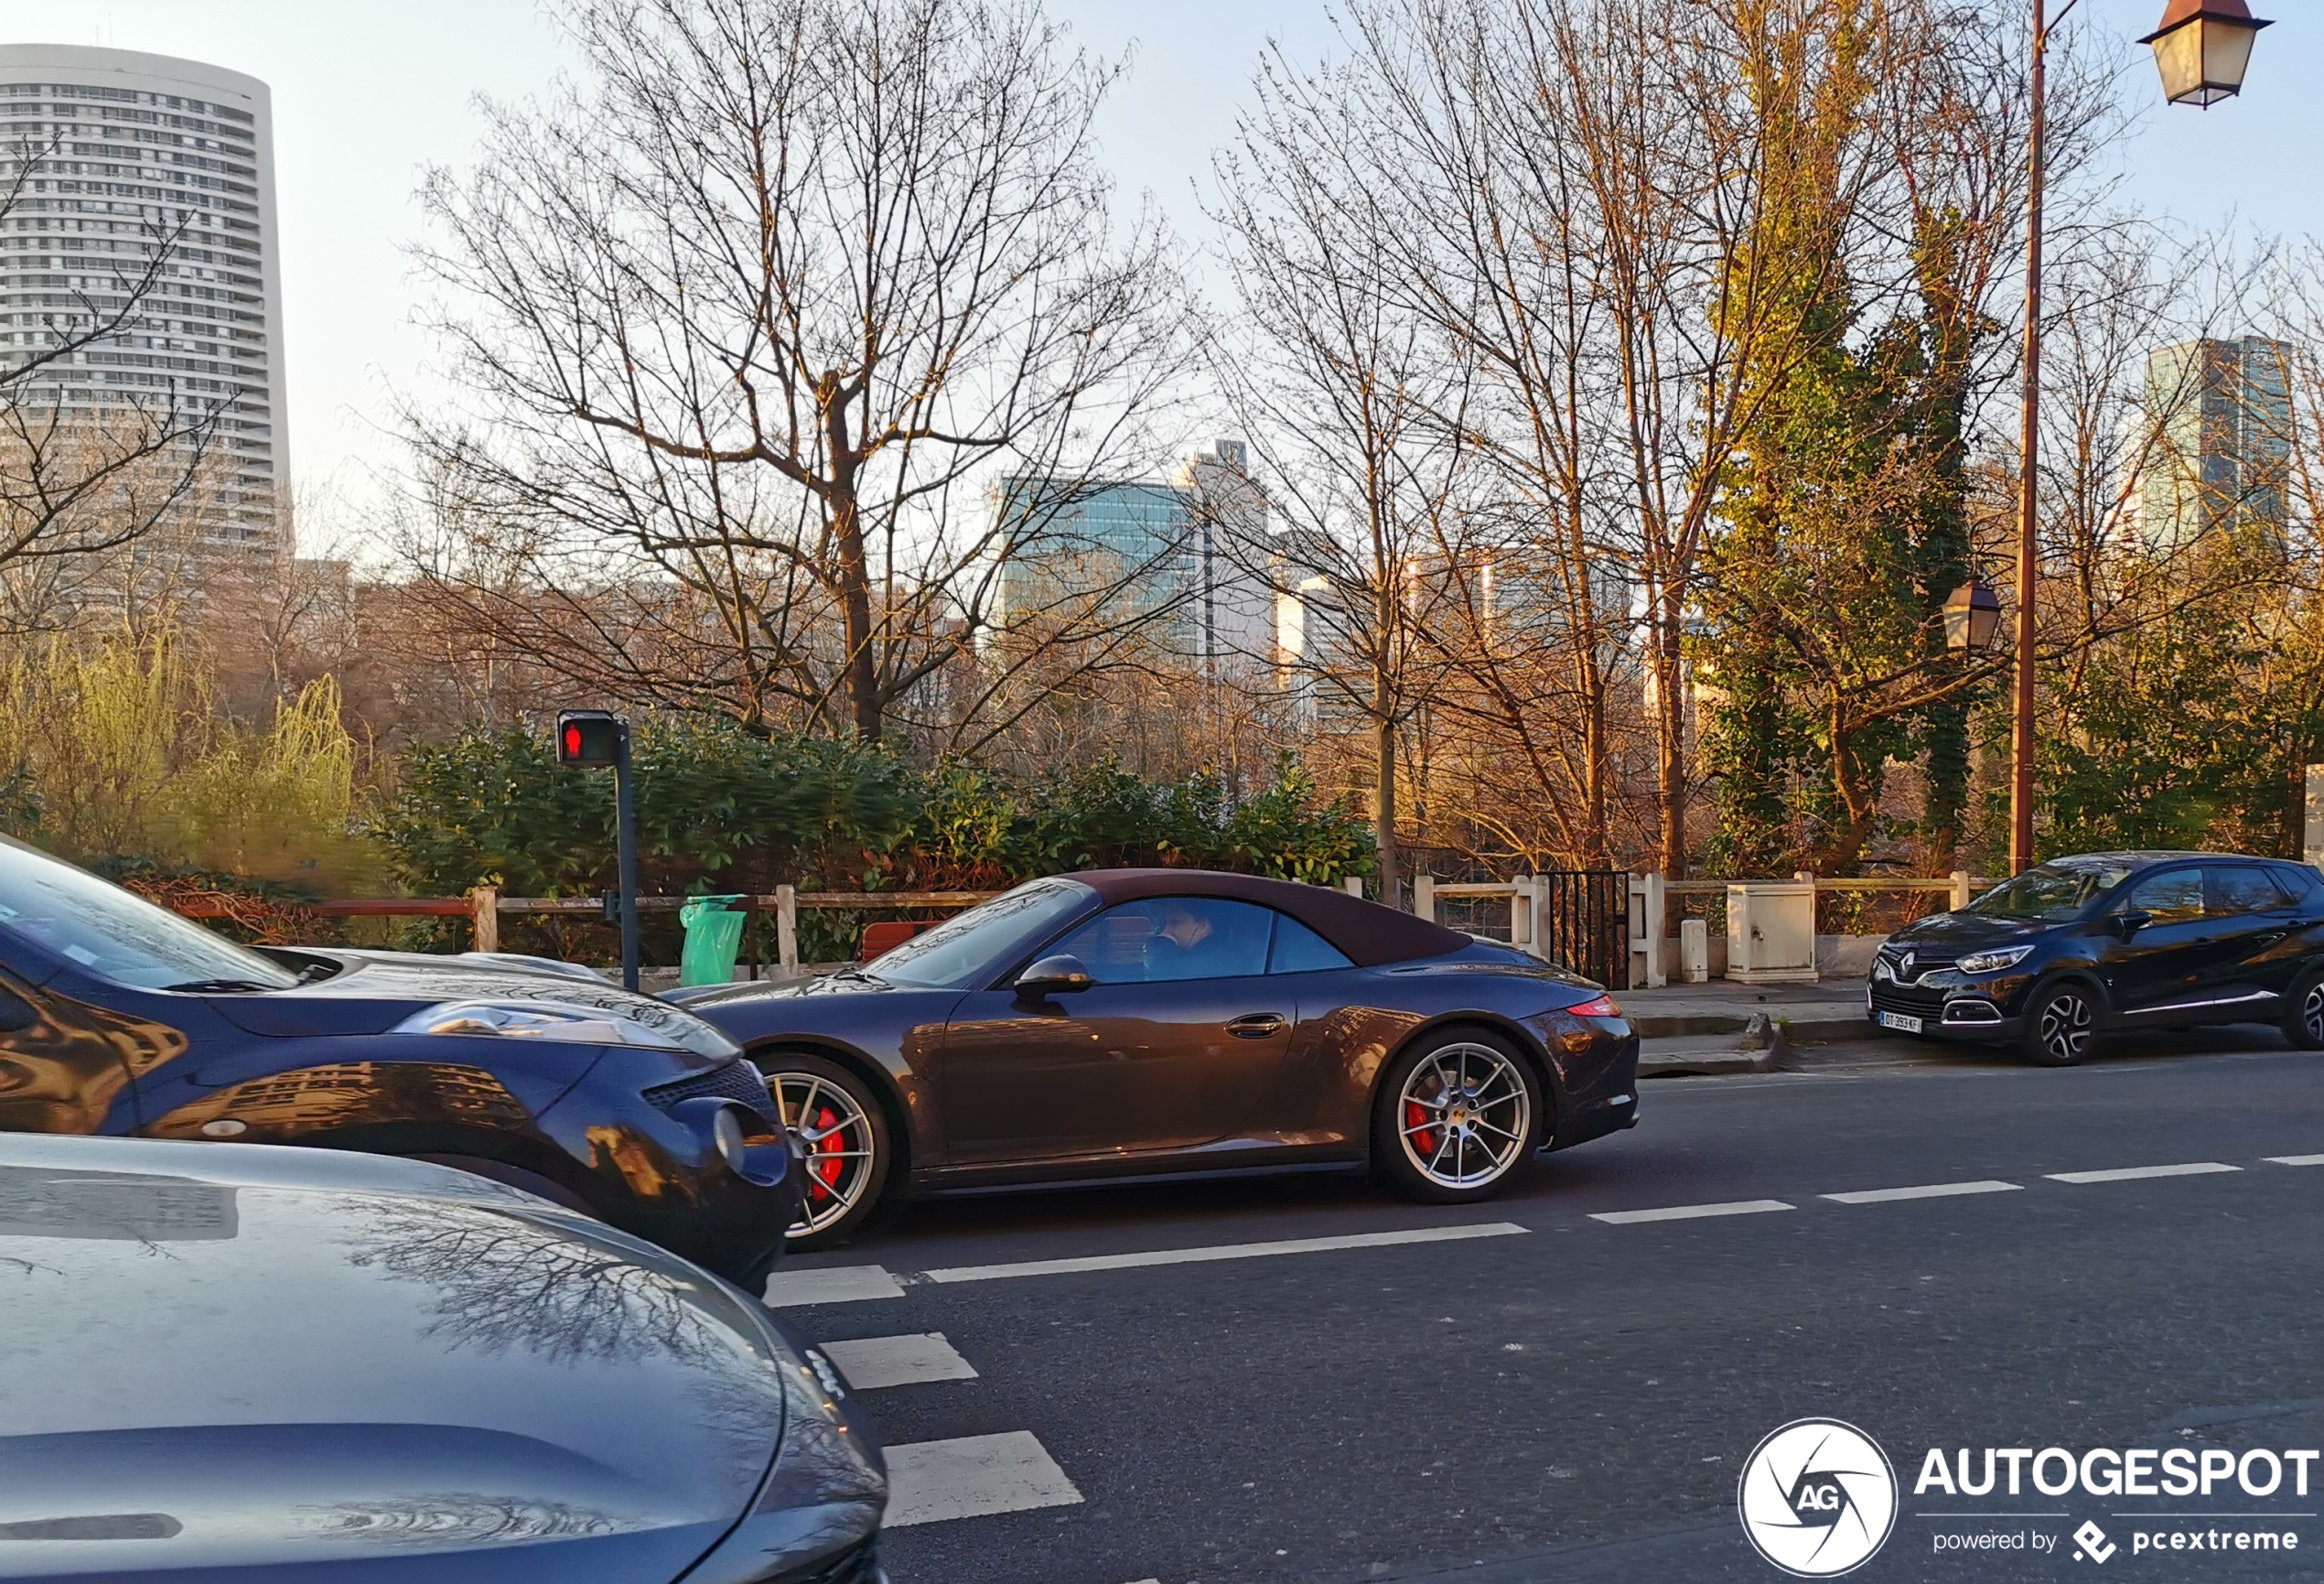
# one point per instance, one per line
(1759, 1046)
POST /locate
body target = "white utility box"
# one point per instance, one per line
(1770, 933)
(1695, 951)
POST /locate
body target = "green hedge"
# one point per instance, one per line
(719, 810)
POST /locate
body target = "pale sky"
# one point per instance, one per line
(367, 92)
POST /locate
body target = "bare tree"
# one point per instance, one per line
(780, 342)
(1356, 406)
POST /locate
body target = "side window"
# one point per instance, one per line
(1299, 950)
(16, 1014)
(2299, 881)
(2173, 897)
(2244, 889)
(1172, 938)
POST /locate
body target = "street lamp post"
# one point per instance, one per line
(2201, 49)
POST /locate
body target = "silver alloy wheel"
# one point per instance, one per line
(2312, 1012)
(2065, 1025)
(1464, 1115)
(839, 1144)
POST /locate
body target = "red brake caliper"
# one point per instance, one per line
(825, 1172)
(1416, 1116)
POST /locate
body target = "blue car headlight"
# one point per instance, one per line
(1993, 962)
(564, 1023)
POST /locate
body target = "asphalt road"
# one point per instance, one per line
(1574, 1400)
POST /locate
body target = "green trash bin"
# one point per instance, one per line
(714, 939)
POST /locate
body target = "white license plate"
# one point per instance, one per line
(1901, 1022)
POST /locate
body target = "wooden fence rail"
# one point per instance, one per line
(485, 907)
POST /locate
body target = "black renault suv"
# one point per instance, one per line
(2077, 946)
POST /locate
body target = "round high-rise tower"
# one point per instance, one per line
(105, 156)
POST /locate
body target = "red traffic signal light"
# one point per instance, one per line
(589, 738)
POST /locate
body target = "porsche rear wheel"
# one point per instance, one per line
(1456, 1118)
(843, 1132)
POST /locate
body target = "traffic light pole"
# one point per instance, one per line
(625, 807)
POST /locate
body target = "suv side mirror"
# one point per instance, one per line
(1059, 976)
(2130, 921)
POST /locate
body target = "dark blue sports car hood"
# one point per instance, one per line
(371, 992)
(222, 1360)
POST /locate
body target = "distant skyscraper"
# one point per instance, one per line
(2223, 414)
(1095, 553)
(126, 147)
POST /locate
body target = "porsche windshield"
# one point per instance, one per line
(966, 949)
(2050, 892)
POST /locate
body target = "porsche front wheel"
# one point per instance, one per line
(843, 1134)
(1456, 1118)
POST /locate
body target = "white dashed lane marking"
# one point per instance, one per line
(829, 1284)
(788, 1289)
(974, 1476)
(2133, 1173)
(1690, 1212)
(1220, 1251)
(872, 1364)
(1932, 1191)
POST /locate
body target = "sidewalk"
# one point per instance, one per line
(1723, 1006)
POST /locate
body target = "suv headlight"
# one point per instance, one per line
(1993, 962)
(565, 1024)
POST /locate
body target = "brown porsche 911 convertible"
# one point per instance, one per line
(1131, 1023)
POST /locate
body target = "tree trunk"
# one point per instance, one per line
(1670, 737)
(854, 571)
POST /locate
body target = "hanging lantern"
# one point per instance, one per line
(2202, 48)
(1972, 616)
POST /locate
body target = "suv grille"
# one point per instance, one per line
(738, 1080)
(1911, 999)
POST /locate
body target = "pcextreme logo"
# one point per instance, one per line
(1817, 1498)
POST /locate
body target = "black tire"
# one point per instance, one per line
(1425, 1136)
(850, 1151)
(2061, 1024)
(532, 1182)
(2304, 1012)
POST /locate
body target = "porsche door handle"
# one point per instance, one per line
(1256, 1026)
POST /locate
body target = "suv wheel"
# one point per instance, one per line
(2060, 1025)
(2304, 1013)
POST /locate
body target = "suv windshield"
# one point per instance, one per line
(118, 936)
(2049, 892)
(966, 949)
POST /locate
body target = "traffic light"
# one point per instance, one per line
(588, 738)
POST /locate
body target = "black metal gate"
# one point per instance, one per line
(1582, 924)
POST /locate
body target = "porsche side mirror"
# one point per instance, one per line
(1059, 976)
(2129, 921)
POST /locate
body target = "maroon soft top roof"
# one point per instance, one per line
(1369, 933)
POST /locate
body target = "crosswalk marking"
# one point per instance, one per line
(1690, 1212)
(829, 1284)
(2133, 1173)
(972, 1477)
(1932, 1191)
(871, 1363)
(2295, 1159)
(1222, 1251)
